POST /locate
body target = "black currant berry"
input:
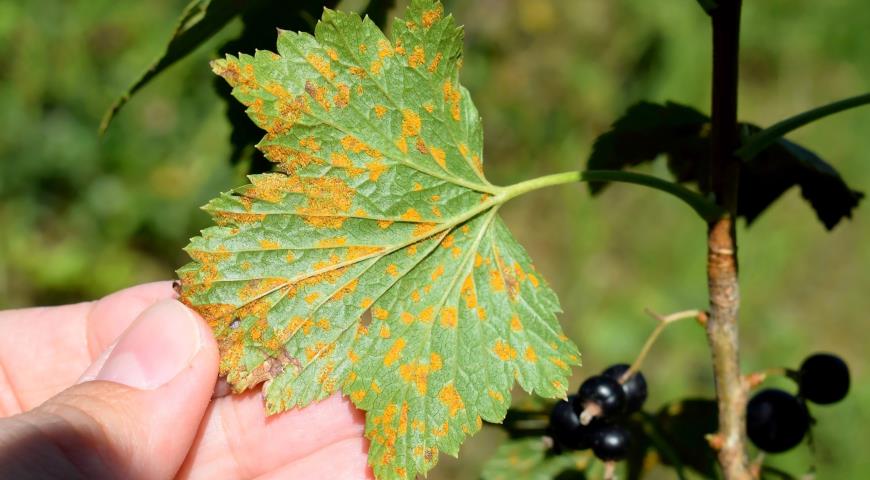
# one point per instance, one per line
(610, 442)
(565, 427)
(824, 378)
(634, 387)
(776, 421)
(603, 392)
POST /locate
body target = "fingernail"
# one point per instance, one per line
(155, 348)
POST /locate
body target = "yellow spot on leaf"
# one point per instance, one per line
(439, 156)
(385, 331)
(380, 313)
(384, 224)
(411, 123)
(384, 49)
(393, 270)
(332, 242)
(380, 111)
(450, 397)
(430, 17)
(411, 215)
(433, 65)
(437, 273)
(530, 355)
(312, 297)
(516, 325)
(504, 351)
(376, 169)
(394, 352)
(269, 244)
(497, 396)
(358, 395)
(449, 317)
(427, 314)
(417, 58)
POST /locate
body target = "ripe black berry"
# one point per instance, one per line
(776, 421)
(602, 391)
(634, 388)
(565, 427)
(824, 378)
(610, 442)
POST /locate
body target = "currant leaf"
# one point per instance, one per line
(374, 261)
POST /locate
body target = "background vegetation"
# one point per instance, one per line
(81, 216)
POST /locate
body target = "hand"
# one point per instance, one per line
(122, 388)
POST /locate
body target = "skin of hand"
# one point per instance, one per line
(122, 388)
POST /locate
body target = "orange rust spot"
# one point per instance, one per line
(384, 224)
(468, 292)
(449, 317)
(312, 297)
(269, 244)
(342, 98)
(441, 431)
(380, 313)
(516, 325)
(402, 145)
(433, 65)
(332, 54)
(326, 196)
(436, 211)
(376, 169)
(376, 67)
(450, 397)
(384, 49)
(419, 426)
(245, 266)
(417, 58)
(358, 72)
(481, 313)
(407, 318)
(411, 215)
(332, 242)
(325, 222)
(412, 250)
(224, 218)
(463, 150)
(321, 65)
(417, 187)
(310, 143)
(427, 314)
(366, 303)
(496, 281)
(363, 48)
(439, 156)
(478, 165)
(380, 111)
(557, 385)
(352, 356)
(375, 387)
(452, 96)
(497, 396)
(558, 362)
(533, 280)
(437, 273)
(358, 396)
(415, 296)
(385, 331)
(421, 229)
(393, 270)
(318, 93)
(430, 17)
(258, 287)
(411, 123)
(394, 352)
(429, 107)
(340, 160)
(421, 146)
(437, 198)
(504, 351)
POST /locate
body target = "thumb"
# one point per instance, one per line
(136, 419)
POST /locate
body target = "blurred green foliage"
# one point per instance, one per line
(81, 216)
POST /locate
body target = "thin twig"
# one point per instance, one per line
(663, 322)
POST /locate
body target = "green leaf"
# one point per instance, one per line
(644, 132)
(648, 130)
(784, 164)
(530, 459)
(374, 261)
(760, 140)
(198, 22)
(682, 427)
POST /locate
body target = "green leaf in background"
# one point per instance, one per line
(648, 130)
(374, 262)
(200, 20)
(531, 459)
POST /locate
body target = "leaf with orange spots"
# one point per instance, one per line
(373, 261)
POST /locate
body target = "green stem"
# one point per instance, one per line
(518, 189)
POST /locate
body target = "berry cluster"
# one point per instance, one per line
(590, 419)
(777, 421)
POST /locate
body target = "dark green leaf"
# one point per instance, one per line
(683, 427)
(785, 164)
(200, 20)
(644, 132)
